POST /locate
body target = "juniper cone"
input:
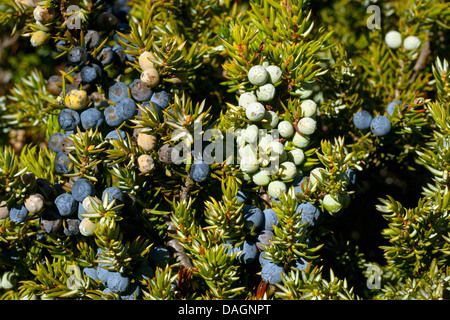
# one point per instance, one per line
(218, 150)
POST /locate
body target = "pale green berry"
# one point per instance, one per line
(87, 227)
(34, 203)
(246, 177)
(275, 73)
(297, 156)
(87, 204)
(276, 148)
(411, 43)
(331, 204)
(315, 175)
(300, 141)
(255, 111)
(309, 108)
(249, 164)
(287, 170)
(276, 188)
(393, 39)
(307, 125)
(258, 75)
(250, 134)
(264, 142)
(285, 129)
(38, 38)
(9, 280)
(246, 98)
(270, 120)
(247, 150)
(305, 91)
(266, 92)
(261, 178)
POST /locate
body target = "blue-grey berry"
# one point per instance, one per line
(116, 135)
(50, 221)
(91, 118)
(72, 226)
(309, 213)
(88, 74)
(160, 98)
(68, 119)
(18, 213)
(391, 106)
(139, 91)
(92, 39)
(62, 163)
(82, 188)
(199, 171)
(156, 109)
(118, 282)
(380, 126)
(112, 119)
(270, 219)
(117, 91)
(54, 141)
(106, 56)
(362, 119)
(77, 55)
(271, 272)
(253, 217)
(126, 108)
(66, 204)
(249, 252)
(158, 256)
(91, 272)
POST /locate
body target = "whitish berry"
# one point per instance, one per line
(264, 239)
(331, 204)
(261, 178)
(307, 126)
(150, 77)
(380, 126)
(258, 75)
(146, 141)
(316, 175)
(144, 60)
(43, 15)
(300, 141)
(297, 156)
(4, 210)
(275, 73)
(249, 164)
(287, 170)
(246, 98)
(87, 227)
(309, 108)
(34, 202)
(250, 134)
(145, 163)
(87, 204)
(411, 43)
(270, 120)
(255, 111)
(393, 39)
(285, 129)
(276, 188)
(362, 119)
(266, 92)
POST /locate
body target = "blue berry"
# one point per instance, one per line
(114, 134)
(131, 293)
(117, 282)
(309, 213)
(117, 91)
(241, 197)
(44, 187)
(113, 193)
(66, 204)
(106, 56)
(160, 98)
(126, 108)
(249, 252)
(54, 141)
(68, 119)
(103, 273)
(88, 74)
(263, 259)
(77, 55)
(158, 256)
(18, 213)
(380, 126)
(199, 171)
(391, 106)
(270, 219)
(91, 118)
(301, 264)
(62, 163)
(271, 272)
(297, 183)
(362, 119)
(81, 210)
(253, 217)
(82, 188)
(91, 272)
(112, 119)
(139, 91)
(119, 52)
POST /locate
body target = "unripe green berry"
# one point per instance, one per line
(150, 77)
(87, 227)
(315, 175)
(305, 91)
(309, 108)
(300, 141)
(261, 178)
(331, 204)
(285, 129)
(287, 170)
(38, 38)
(297, 156)
(255, 111)
(250, 134)
(266, 92)
(249, 163)
(258, 75)
(276, 188)
(411, 43)
(307, 125)
(9, 280)
(393, 39)
(246, 98)
(270, 120)
(275, 73)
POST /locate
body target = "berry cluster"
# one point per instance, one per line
(394, 40)
(379, 125)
